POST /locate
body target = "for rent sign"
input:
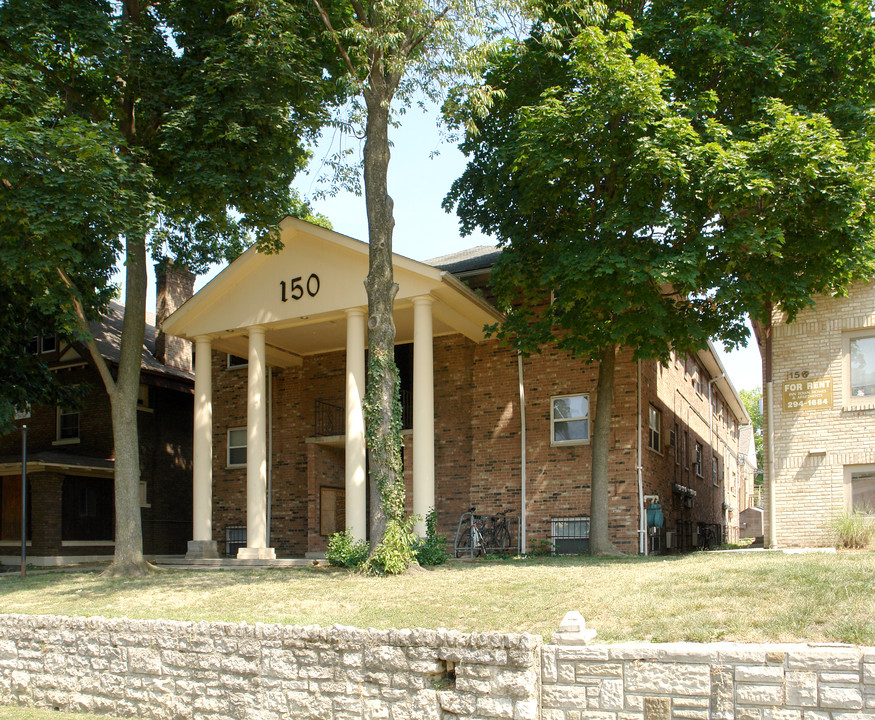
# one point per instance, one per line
(809, 394)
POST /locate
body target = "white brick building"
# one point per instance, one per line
(822, 410)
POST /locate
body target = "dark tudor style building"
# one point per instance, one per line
(70, 503)
(279, 449)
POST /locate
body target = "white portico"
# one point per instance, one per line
(309, 299)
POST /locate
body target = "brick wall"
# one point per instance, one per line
(809, 487)
(478, 443)
(165, 440)
(170, 670)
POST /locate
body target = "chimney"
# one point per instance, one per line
(175, 285)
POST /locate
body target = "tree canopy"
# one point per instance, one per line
(391, 50)
(642, 202)
(178, 125)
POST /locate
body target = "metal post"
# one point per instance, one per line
(24, 501)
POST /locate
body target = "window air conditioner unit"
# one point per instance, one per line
(669, 539)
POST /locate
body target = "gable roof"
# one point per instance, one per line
(481, 257)
(301, 294)
(108, 337)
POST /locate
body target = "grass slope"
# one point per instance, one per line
(744, 597)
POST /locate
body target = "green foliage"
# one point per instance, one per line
(345, 551)
(394, 553)
(752, 400)
(538, 547)
(387, 446)
(183, 121)
(853, 529)
(432, 549)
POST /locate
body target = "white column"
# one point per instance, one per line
(256, 453)
(423, 411)
(356, 486)
(202, 543)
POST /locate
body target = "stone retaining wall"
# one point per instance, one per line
(717, 681)
(167, 670)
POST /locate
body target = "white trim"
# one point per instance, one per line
(87, 543)
(850, 402)
(13, 543)
(68, 441)
(235, 366)
(848, 473)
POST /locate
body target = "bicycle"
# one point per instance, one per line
(471, 535)
(501, 537)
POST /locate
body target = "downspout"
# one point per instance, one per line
(523, 545)
(771, 540)
(711, 434)
(269, 450)
(642, 521)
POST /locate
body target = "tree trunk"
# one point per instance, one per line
(381, 287)
(599, 543)
(128, 558)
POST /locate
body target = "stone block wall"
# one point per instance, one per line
(716, 681)
(168, 670)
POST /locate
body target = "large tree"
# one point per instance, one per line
(654, 214)
(392, 50)
(198, 112)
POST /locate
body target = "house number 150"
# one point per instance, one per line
(296, 290)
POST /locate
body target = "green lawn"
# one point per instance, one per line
(8, 712)
(747, 597)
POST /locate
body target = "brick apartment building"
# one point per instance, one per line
(70, 503)
(822, 413)
(279, 433)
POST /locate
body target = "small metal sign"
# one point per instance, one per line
(808, 394)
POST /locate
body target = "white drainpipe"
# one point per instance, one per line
(642, 523)
(522, 548)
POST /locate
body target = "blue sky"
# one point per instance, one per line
(421, 171)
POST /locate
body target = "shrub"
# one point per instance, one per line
(345, 551)
(540, 548)
(431, 550)
(852, 529)
(394, 554)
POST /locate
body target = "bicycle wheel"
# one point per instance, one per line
(463, 539)
(502, 538)
(477, 541)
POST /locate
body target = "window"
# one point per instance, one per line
(68, 425)
(714, 468)
(570, 536)
(569, 419)
(235, 361)
(237, 447)
(696, 376)
(144, 495)
(860, 489)
(698, 459)
(655, 441)
(861, 365)
(143, 397)
(32, 347)
(88, 510)
(48, 343)
(674, 443)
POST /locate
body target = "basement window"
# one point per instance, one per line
(570, 536)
